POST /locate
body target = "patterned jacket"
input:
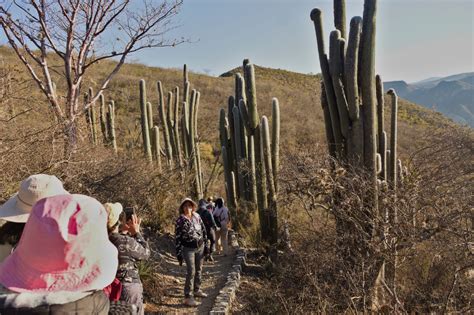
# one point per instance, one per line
(131, 250)
(189, 233)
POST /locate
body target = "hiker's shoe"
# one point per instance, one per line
(190, 302)
(200, 294)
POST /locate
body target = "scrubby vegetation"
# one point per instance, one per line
(434, 204)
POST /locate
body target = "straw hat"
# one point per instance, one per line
(113, 210)
(64, 247)
(36, 187)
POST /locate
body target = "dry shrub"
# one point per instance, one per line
(432, 237)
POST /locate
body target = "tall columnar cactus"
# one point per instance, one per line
(353, 104)
(393, 140)
(144, 121)
(103, 119)
(92, 118)
(110, 123)
(164, 123)
(275, 140)
(156, 147)
(272, 199)
(176, 136)
(249, 153)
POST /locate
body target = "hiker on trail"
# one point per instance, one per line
(191, 238)
(208, 220)
(222, 219)
(210, 202)
(132, 249)
(17, 209)
(63, 262)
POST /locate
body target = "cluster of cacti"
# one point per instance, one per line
(106, 120)
(353, 97)
(250, 158)
(179, 129)
(353, 103)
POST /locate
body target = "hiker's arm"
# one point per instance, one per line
(179, 238)
(141, 250)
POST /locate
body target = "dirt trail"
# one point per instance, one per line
(172, 278)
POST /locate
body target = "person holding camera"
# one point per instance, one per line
(132, 248)
(191, 238)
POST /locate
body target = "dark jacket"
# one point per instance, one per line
(132, 249)
(207, 218)
(96, 303)
(189, 233)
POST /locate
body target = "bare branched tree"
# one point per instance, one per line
(81, 33)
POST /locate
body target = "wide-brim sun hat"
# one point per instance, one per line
(113, 210)
(36, 187)
(64, 247)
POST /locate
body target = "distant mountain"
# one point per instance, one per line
(453, 95)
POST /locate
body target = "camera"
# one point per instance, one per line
(129, 211)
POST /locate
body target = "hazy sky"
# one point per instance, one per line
(416, 39)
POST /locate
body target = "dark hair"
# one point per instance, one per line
(10, 233)
(219, 202)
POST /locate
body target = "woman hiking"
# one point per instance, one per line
(191, 238)
(222, 218)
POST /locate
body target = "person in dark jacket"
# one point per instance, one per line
(191, 238)
(205, 213)
(132, 249)
(63, 261)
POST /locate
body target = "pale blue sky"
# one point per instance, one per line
(416, 39)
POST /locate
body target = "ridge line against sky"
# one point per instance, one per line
(416, 39)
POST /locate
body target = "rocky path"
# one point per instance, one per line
(171, 278)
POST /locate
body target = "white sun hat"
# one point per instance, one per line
(34, 188)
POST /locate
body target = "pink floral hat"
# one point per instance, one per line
(64, 247)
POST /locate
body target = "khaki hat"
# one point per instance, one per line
(34, 188)
(113, 210)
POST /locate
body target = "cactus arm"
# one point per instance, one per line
(162, 111)
(393, 140)
(340, 16)
(251, 96)
(275, 140)
(144, 121)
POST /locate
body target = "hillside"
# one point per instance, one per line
(302, 119)
(452, 95)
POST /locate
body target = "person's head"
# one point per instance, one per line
(64, 247)
(219, 202)
(210, 199)
(187, 206)
(18, 207)
(114, 210)
(202, 203)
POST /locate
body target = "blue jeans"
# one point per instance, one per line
(193, 258)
